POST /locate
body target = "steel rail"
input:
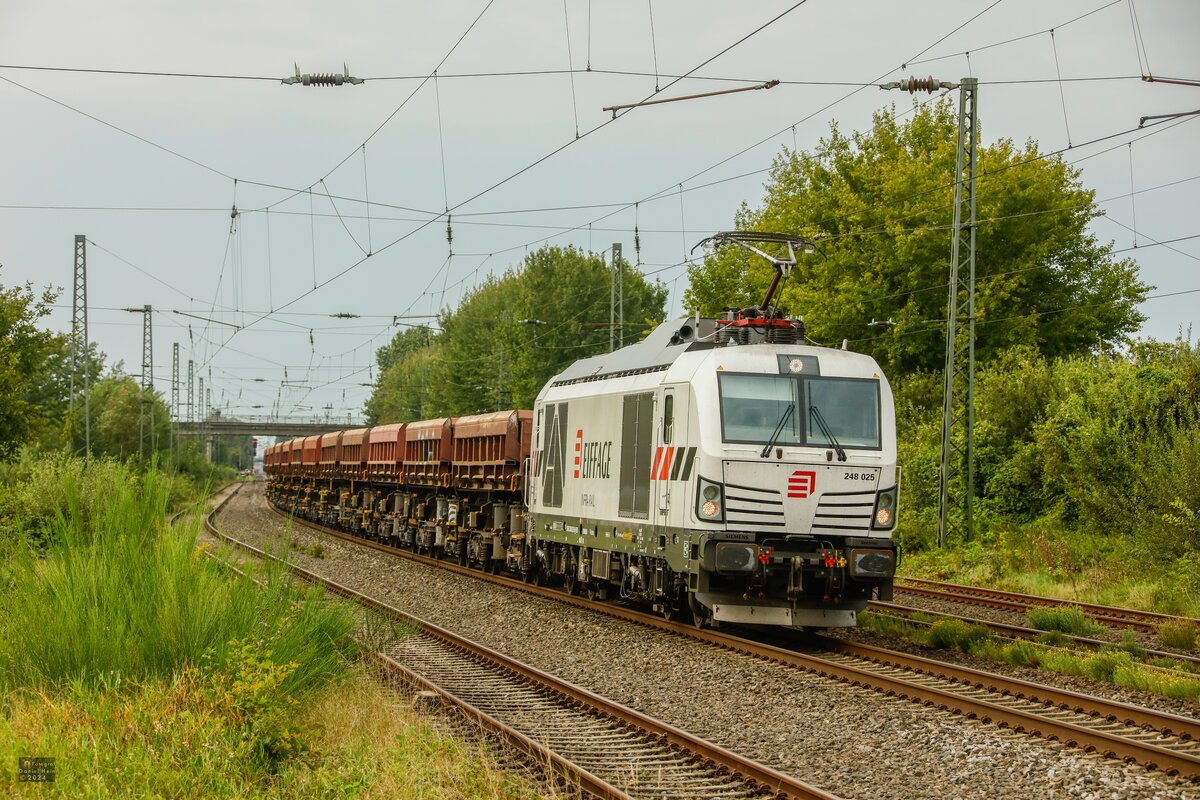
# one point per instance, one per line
(1015, 631)
(758, 776)
(1113, 615)
(1088, 739)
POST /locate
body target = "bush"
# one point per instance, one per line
(1066, 619)
(954, 634)
(1178, 634)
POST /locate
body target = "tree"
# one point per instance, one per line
(508, 337)
(126, 421)
(26, 354)
(883, 201)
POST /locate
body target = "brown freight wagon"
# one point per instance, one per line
(352, 456)
(295, 462)
(330, 442)
(310, 455)
(490, 449)
(385, 453)
(427, 452)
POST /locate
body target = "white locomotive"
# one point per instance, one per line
(721, 466)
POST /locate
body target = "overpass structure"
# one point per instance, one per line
(263, 426)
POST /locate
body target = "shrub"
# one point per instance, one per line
(1053, 639)
(1067, 619)
(954, 634)
(1178, 634)
(1104, 664)
(1023, 654)
(1129, 644)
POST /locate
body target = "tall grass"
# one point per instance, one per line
(104, 591)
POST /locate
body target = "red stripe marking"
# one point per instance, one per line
(666, 464)
(654, 468)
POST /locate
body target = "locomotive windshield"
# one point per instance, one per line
(753, 406)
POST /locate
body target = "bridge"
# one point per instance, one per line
(263, 426)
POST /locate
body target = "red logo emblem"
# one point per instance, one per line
(802, 483)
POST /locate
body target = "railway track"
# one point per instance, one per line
(1016, 631)
(1158, 740)
(605, 749)
(1111, 616)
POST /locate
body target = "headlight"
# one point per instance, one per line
(872, 563)
(885, 509)
(709, 501)
(735, 557)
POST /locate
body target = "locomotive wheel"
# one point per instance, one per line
(591, 590)
(700, 613)
(671, 610)
(570, 583)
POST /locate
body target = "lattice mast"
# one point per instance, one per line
(957, 477)
(147, 405)
(80, 351)
(956, 483)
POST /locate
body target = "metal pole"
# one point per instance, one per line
(612, 309)
(191, 393)
(174, 418)
(619, 272)
(80, 349)
(958, 399)
(148, 370)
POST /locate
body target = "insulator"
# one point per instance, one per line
(322, 79)
(449, 231)
(913, 84)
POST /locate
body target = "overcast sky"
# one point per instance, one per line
(149, 168)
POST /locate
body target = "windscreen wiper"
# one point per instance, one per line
(815, 413)
(787, 415)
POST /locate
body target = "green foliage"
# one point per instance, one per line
(509, 336)
(28, 355)
(1129, 644)
(1180, 635)
(1054, 639)
(127, 422)
(1023, 654)
(179, 738)
(955, 634)
(884, 199)
(116, 595)
(249, 687)
(1065, 619)
(1085, 467)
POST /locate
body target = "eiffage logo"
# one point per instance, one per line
(802, 483)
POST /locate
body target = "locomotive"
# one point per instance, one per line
(720, 468)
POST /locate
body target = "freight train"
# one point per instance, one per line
(721, 468)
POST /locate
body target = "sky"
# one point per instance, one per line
(342, 193)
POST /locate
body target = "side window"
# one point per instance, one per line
(668, 418)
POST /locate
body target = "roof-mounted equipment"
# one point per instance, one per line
(762, 323)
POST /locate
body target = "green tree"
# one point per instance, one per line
(126, 421)
(509, 336)
(27, 353)
(883, 201)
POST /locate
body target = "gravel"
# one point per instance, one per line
(851, 741)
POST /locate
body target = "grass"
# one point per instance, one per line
(147, 670)
(1065, 619)
(178, 738)
(1117, 664)
(1052, 561)
(114, 594)
(1178, 634)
